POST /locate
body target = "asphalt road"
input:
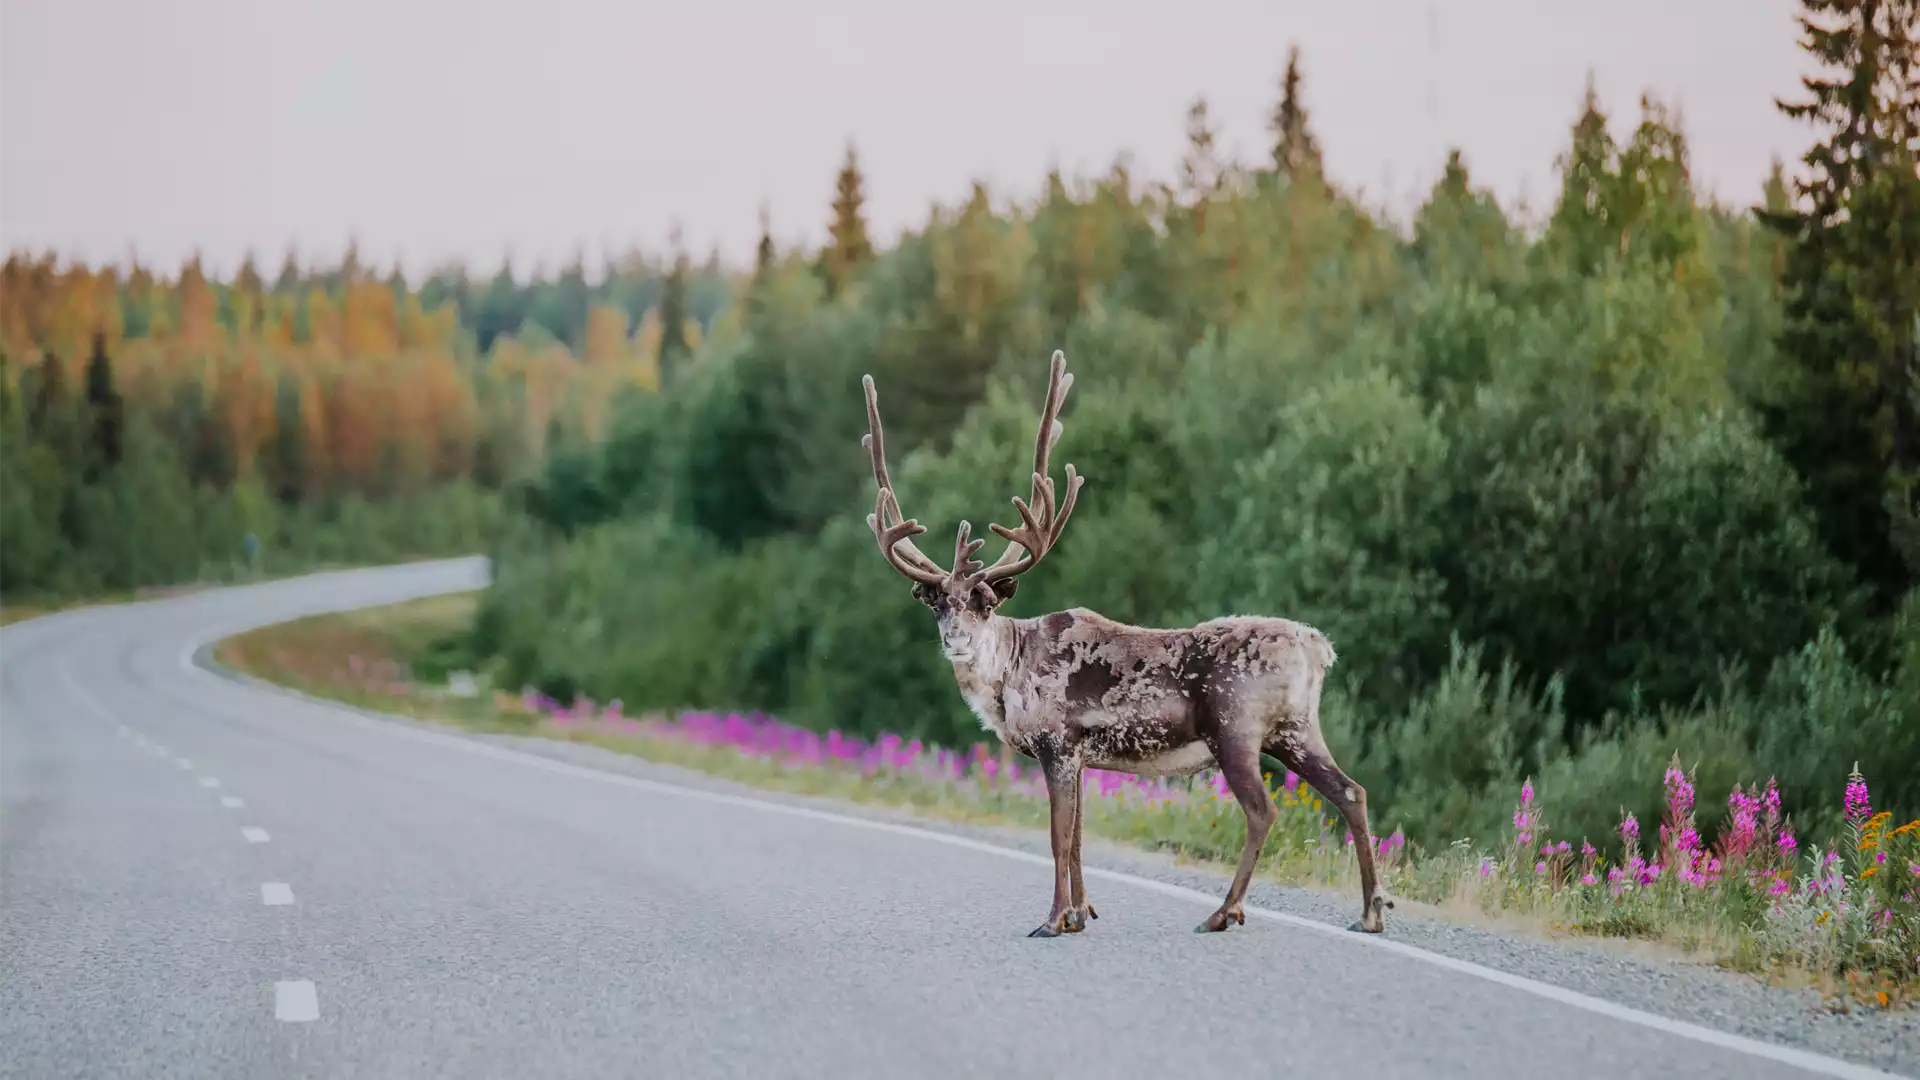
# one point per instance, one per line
(200, 878)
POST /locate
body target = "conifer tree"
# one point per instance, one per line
(763, 254)
(288, 283)
(849, 247)
(1851, 424)
(1296, 154)
(108, 413)
(673, 312)
(1200, 168)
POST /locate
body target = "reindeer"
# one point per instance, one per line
(1075, 689)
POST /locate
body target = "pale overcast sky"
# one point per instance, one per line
(436, 129)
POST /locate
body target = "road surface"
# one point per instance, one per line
(200, 878)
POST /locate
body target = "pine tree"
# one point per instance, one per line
(13, 418)
(1200, 168)
(1851, 424)
(107, 409)
(673, 312)
(850, 247)
(288, 464)
(248, 279)
(288, 283)
(1296, 155)
(763, 256)
(764, 253)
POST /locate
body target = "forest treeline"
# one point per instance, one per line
(159, 430)
(1568, 498)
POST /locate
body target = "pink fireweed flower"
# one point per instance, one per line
(1587, 850)
(1859, 807)
(1679, 791)
(1540, 868)
(1527, 818)
(1630, 830)
(1745, 826)
(1787, 844)
(1588, 879)
(1770, 802)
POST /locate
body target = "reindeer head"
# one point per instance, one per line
(964, 598)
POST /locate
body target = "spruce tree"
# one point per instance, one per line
(764, 253)
(288, 464)
(106, 409)
(849, 247)
(288, 283)
(673, 312)
(1851, 421)
(1296, 154)
(1200, 168)
(763, 256)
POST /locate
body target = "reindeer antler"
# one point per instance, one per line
(1027, 545)
(895, 535)
(1040, 525)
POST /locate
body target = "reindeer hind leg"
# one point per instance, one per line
(1308, 756)
(1239, 761)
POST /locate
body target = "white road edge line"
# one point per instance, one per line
(231, 802)
(296, 1001)
(254, 834)
(276, 893)
(1786, 1055)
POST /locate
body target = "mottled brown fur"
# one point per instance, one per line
(1074, 689)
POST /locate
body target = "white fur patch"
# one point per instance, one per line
(1183, 761)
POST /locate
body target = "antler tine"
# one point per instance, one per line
(891, 537)
(1042, 516)
(1074, 480)
(886, 521)
(964, 548)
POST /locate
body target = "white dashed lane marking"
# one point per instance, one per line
(254, 834)
(231, 802)
(296, 1001)
(276, 893)
(183, 763)
(208, 781)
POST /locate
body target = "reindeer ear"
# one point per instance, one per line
(1005, 588)
(925, 593)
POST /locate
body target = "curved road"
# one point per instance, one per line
(199, 878)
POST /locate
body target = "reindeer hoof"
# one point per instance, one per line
(1046, 930)
(1374, 920)
(1092, 914)
(1075, 921)
(1220, 920)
